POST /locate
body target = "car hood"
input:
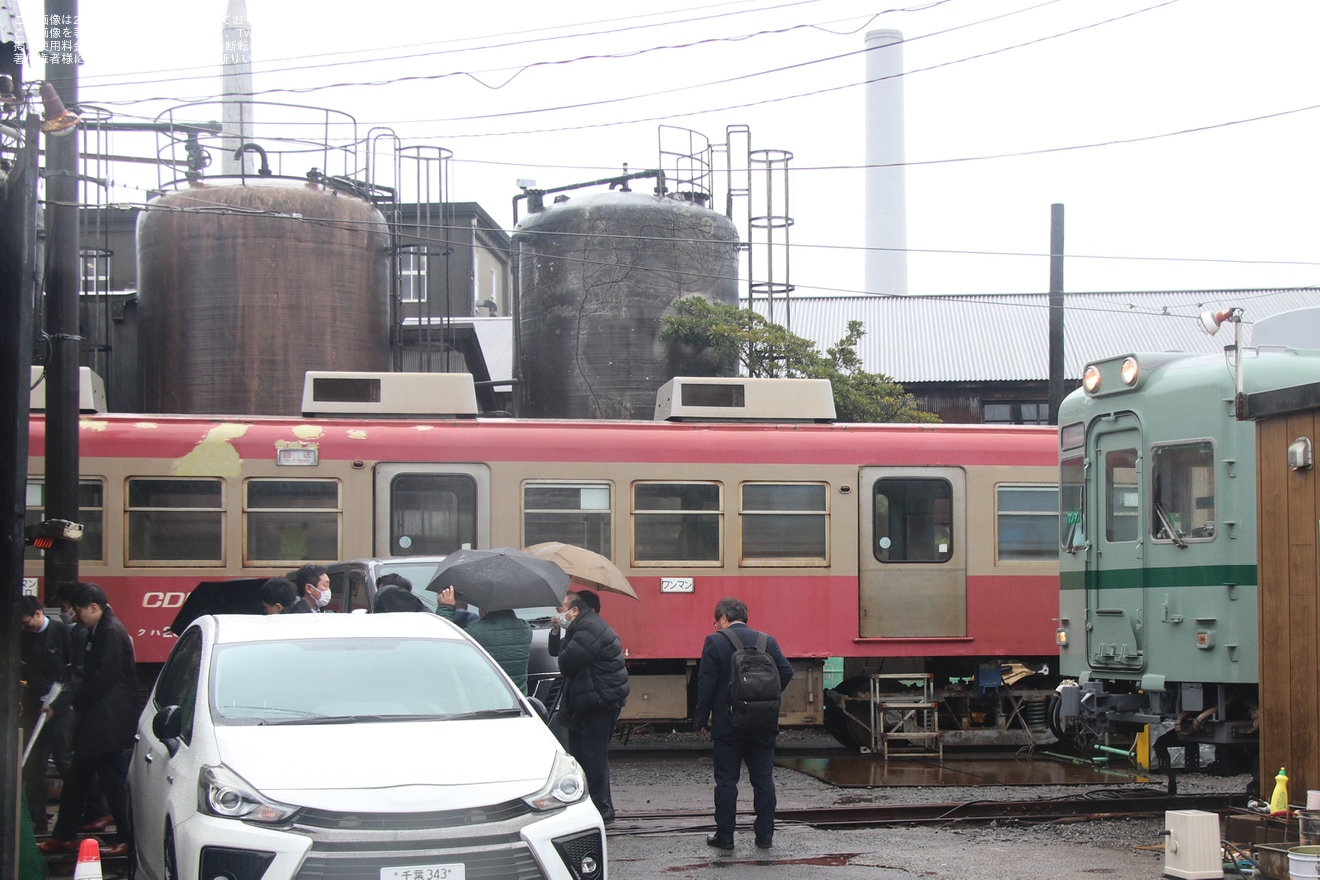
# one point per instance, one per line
(398, 766)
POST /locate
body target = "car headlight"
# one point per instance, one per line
(222, 792)
(566, 785)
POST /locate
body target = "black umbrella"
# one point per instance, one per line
(497, 580)
(238, 596)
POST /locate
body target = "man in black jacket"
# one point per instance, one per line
(595, 689)
(106, 708)
(46, 652)
(734, 746)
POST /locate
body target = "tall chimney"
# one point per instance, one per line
(886, 190)
(236, 116)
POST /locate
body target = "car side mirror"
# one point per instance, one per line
(540, 708)
(167, 725)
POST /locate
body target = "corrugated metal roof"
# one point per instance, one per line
(1004, 337)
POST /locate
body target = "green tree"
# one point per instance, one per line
(764, 349)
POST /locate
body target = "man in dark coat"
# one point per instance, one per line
(46, 656)
(595, 689)
(313, 584)
(505, 636)
(106, 708)
(734, 747)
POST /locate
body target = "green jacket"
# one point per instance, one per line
(506, 637)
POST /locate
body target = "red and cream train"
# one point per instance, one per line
(898, 548)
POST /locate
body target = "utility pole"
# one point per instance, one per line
(62, 289)
(1056, 312)
(18, 249)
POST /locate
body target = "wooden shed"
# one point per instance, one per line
(1288, 498)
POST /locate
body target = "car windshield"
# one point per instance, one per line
(327, 679)
(419, 575)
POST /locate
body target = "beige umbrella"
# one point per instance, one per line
(584, 566)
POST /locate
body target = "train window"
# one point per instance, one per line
(785, 523)
(171, 521)
(432, 514)
(1026, 519)
(573, 513)
(1183, 492)
(1072, 510)
(913, 519)
(291, 520)
(677, 523)
(91, 513)
(1121, 490)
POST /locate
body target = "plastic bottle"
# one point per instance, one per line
(1279, 800)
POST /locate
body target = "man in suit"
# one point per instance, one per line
(313, 584)
(105, 723)
(733, 746)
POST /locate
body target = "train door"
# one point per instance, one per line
(431, 509)
(1115, 595)
(912, 571)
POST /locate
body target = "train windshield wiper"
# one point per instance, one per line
(1174, 535)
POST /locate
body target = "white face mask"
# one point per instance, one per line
(562, 620)
(323, 598)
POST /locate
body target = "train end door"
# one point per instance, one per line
(1115, 583)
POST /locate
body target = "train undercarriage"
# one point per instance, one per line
(1002, 705)
(1219, 721)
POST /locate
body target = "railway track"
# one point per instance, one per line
(1089, 808)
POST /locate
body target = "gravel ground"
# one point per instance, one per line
(645, 781)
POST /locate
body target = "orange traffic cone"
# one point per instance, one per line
(89, 860)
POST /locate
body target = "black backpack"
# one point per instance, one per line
(753, 685)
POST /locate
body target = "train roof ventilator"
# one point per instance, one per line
(328, 393)
(745, 400)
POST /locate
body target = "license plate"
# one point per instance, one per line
(424, 872)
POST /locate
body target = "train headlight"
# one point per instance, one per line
(1129, 371)
(1091, 378)
(1061, 637)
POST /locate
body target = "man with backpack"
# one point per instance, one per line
(741, 676)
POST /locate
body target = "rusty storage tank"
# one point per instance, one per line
(596, 275)
(243, 288)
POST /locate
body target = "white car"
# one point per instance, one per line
(377, 746)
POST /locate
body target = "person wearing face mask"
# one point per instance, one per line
(313, 590)
(595, 688)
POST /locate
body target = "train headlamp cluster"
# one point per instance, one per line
(1128, 372)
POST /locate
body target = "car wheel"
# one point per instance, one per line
(171, 861)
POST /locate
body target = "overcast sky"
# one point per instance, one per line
(1180, 135)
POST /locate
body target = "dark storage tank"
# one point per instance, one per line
(243, 288)
(596, 275)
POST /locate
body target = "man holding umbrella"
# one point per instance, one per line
(595, 688)
(497, 581)
(505, 636)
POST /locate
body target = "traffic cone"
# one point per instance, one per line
(89, 860)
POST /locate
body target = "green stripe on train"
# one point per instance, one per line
(1187, 576)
